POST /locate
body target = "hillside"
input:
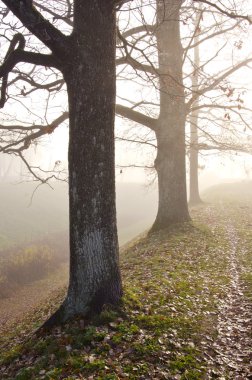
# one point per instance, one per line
(232, 192)
(186, 312)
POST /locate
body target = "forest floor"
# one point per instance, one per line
(187, 311)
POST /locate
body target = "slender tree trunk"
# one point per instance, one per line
(194, 151)
(170, 161)
(6, 166)
(90, 78)
(194, 161)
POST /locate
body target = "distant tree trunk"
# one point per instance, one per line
(194, 196)
(90, 78)
(5, 167)
(170, 161)
(194, 161)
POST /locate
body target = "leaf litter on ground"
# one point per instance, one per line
(186, 312)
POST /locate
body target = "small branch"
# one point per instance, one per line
(134, 63)
(25, 142)
(142, 142)
(128, 60)
(15, 55)
(135, 166)
(66, 19)
(217, 81)
(136, 116)
(223, 11)
(37, 178)
(139, 29)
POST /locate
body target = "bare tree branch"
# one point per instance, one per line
(218, 80)
(136, 116)
(17, 54)
(139, 29)
(225, 12)
(23, 143)
(33, 20)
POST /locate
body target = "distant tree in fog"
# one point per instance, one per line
(216, 111)
(187, 91)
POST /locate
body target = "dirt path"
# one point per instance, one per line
(29, 297)
(232, 347)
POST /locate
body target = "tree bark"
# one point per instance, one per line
(194, 196)
(170, 161)
(90, 77)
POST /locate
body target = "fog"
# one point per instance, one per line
(28, 216)
(30, 213)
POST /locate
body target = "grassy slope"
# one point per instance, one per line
(173, 284)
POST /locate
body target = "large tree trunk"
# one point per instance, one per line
(194, 196)
(170, 161)
(90, 78)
